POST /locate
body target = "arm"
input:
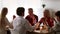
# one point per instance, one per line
(29, 27)
(9, 24)
(36, 18)
(40, 20)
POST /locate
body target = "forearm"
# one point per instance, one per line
(10, 25)
(36, 26)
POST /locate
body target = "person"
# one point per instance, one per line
(57, 23)
(47, 20)
(4, 21)
(32, 18)
(21, 25)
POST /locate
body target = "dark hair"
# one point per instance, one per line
(20, 10)
(57, 13)
(30, 9)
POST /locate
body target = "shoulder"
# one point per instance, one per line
(27, 16)
(16, 19)
(25, 20)
(42, 18)
(35, 15)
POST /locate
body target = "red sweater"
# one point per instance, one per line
(31, 20)
(48, 20)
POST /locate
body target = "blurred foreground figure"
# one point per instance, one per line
(4, 21)
(57, 23)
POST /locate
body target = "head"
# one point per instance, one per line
(30, 11)
(58, 15)
(20, 11)
(4, 12)
(46, 13)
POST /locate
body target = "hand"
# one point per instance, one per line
(37, 25)
(7, 27)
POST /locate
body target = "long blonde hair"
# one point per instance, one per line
(3, 15)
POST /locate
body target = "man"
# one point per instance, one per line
(58, 16)
(32, 18)
(57, 24)
(20, 24)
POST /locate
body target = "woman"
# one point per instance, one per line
(4, 21)
(47, 19)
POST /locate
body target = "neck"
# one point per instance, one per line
(21, 16)
(31, 14)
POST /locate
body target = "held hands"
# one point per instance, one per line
(36, 25)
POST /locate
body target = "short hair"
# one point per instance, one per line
(30, 9)
(57, 13)
(20, 10)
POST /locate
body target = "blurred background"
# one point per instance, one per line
(52, 5)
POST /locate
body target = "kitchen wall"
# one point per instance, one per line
(52, 5)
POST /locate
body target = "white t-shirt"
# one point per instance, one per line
(21, 25)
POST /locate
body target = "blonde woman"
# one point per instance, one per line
(4, 21)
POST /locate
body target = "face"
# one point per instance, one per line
(46, 14)
(30, 12)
